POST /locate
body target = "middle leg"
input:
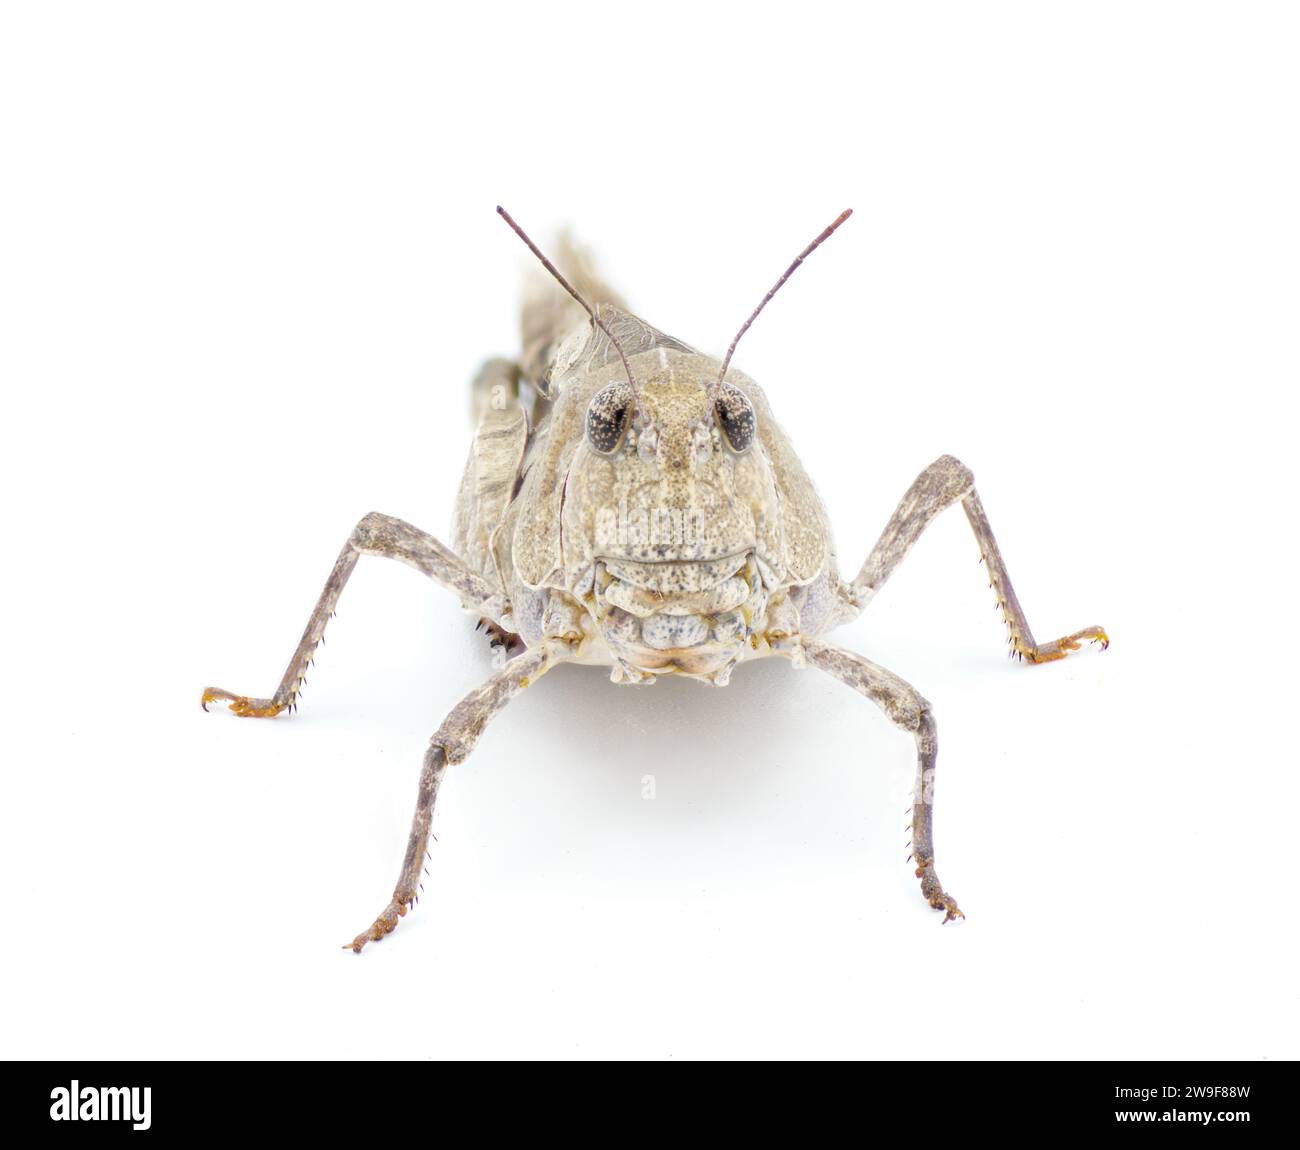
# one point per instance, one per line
(940, 485)
(390, 538)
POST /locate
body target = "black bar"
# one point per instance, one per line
(377, 1101)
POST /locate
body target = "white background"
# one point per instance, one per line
(249, 265)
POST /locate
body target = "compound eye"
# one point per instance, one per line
(736, 418)
(608, 417)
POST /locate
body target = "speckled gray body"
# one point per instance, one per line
(651, 517)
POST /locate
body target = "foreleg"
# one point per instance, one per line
(905, 708)
(451, 744)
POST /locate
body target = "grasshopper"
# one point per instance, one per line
(631, 502)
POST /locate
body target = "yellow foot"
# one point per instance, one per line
(934, 893)
(1059, 648)
(384, 925)
(241, 704)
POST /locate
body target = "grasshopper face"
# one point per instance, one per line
(663, 523)
(671, 518)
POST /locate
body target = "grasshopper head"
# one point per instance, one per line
(671, 523)
(672, 514)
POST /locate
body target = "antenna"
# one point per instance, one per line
(595, 319)
(803, 255)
